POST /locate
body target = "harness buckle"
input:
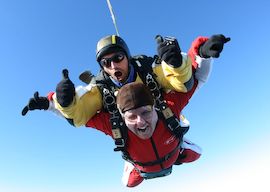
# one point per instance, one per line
(109, 99)
(176, 128)
(167, 112)
(166, 157)
(116, 133)
(120, 144)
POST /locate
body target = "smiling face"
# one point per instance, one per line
(116, 66)
(141, 121)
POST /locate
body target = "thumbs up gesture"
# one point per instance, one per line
(169, 51)
(65, 90)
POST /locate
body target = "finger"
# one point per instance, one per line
(159, 39)
(227, 39)
(36, 95)
(65, 73)
(25, 110)
(86, 77)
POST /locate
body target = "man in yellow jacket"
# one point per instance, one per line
(173, 71)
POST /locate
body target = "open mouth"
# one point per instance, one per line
(142, 129)
(118, 74)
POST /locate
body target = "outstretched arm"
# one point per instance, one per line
(202, 52)
(65, 96)
(81, 104)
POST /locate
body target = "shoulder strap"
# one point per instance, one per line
(148, 77)
(119, 129)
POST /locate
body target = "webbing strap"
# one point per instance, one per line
(172, 122)
(152, 175)
(116, 120)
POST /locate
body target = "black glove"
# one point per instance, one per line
(213, 46)
(36, 103)
(86, 77)
(65, 90)
(169, 51)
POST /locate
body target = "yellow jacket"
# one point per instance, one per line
(88, 99)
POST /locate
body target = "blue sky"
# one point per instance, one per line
(229, 115)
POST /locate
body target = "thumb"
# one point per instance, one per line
(65, 74)
(227, 39)
(86, 77)
(36, 95)
(159, 39)
(25, 110)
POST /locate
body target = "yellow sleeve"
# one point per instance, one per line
(171, 78)
(83, 107)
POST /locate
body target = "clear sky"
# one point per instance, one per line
(229, 116)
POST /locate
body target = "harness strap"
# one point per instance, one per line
(171, 121)
(118, 125)
(152, 175)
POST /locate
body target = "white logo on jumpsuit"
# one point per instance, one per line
(170, 140)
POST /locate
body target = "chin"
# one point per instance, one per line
(145, 136)
(121, 80)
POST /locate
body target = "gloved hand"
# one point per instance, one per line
(213, 46)
(36, 103)
(169, 51)
(65, 90)
(86, 77)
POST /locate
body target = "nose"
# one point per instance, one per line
(140, 120)
(113, 64)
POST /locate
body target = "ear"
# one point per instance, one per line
(121, 113)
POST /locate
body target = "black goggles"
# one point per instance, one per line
(116, 58)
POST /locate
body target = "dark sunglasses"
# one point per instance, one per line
(116, 58)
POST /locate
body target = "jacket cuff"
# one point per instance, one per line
(194, 49)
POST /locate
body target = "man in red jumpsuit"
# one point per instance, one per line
(151, 147)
